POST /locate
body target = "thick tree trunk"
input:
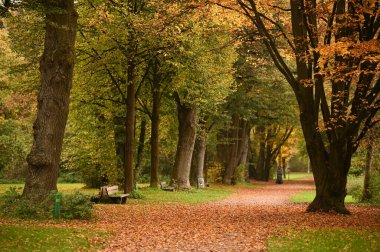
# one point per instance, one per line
(187, 118)
(56, 67)
(330, 173)
(367, 194)
(140, 149)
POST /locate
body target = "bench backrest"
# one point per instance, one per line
(109, 190)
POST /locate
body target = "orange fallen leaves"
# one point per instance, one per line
(213, 227)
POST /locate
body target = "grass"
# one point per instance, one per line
(191, 197)
(33, 238)
(298, 175)
(62, 187)
(152, 196)
(327, 240)
(308, 196)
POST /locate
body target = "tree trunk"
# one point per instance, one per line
(140, 149)
(367, 194)
(56, 68)
(233, 157)
(284, 165)
(260, 167)
(187, 118)
(154, 145)
(119, 139)
(198, 162)
(330, 173)
(130, 130)
(269, 160)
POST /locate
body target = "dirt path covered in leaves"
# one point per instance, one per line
(242, 222)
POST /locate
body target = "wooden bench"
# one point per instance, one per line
(165, 187)
(109, 194)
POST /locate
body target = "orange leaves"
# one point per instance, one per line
(241, 223)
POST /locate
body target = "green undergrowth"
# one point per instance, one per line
(308, 196)
(35, 238)
(73, 205)
(326, 240)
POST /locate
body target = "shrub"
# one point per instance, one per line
(355, 186)
(70, 177)
(15, 206)
(136, 195)
(241, 174)
(76, 206)
(375, 187)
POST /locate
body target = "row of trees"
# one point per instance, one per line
(137, 60)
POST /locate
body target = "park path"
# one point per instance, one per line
(242, 222)
(270, 194)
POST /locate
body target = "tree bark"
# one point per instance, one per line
(233, 152)
(154, 138)
(198, 162)
(140, 149)
(187, 118)
(119, 139)
(130, 129)
(367, 194)
(260, 166)
(56, 68)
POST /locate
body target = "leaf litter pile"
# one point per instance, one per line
(242, 222)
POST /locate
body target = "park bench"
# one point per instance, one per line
(109, 194)
(165, 187)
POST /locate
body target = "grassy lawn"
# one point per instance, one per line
(327, 240)
(194, 196)
(21, 238)
(62, 187)
(153, 196)
(299, 175)
(308, 196)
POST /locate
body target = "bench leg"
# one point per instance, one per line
(123, 200)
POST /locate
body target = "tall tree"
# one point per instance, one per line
(336, 49)
(56, 67)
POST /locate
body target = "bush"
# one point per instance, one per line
(355, 186)
(15, 206)
(136, 195)
(375, 187)
(76, 206)
(70, 177)
(241, 174)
